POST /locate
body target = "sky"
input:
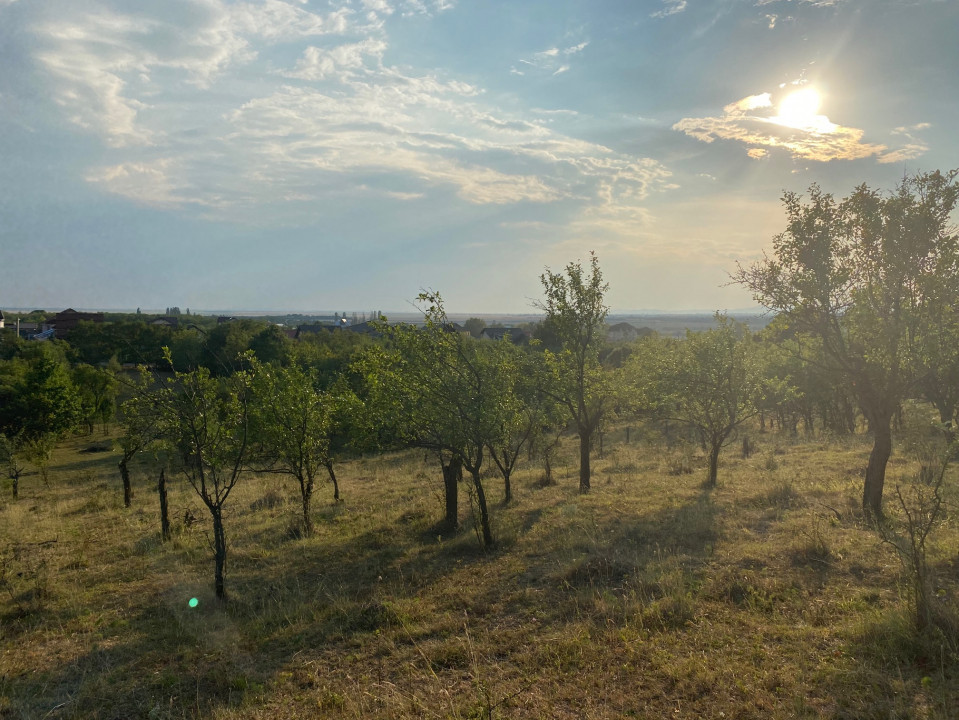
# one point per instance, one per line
(347, 154)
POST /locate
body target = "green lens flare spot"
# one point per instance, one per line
(193, 602)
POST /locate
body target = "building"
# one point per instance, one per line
(171, 321)
(66, 321)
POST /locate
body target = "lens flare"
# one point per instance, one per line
(799, 109)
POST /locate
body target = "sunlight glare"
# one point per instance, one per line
(798, 110)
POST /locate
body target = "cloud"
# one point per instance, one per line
(202, 113)
(752, 122)
(318, 63)
(671, 7)
(149, 183)
(552, 61)
(434, 133)
(103, 57)
(913, 148)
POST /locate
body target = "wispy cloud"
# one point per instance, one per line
(198, 119)
(318, 63)
(552, 61)
(753, 122)
(914, 147)
(103, 60)
(670, 7)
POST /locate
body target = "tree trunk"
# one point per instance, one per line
(507, 488)
(164, 507)
(714, 449)
(127, 489)
(484, 511)
(584, 473)
(306, 494)
(336, 485)
(876, 469)
(219, 552)
(16, 486)
(452, 474)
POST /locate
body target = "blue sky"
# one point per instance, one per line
(304, 155)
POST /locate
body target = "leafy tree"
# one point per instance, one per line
(865, 275)
(939, 363)
(228, 341)
(208, 422)
(271, 345)
(441, 391)
(576, 316)
(37, 449)
(12, 457)
(97, 389)
(296, 424)
(524, 409)
(140, 418)
(711, 382)
(474, 326)
(47, 402)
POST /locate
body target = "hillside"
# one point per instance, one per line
(768, 597)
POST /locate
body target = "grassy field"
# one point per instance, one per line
(769, 597)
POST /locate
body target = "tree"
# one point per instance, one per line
(140, 419)
(295, 425)
(865, 275)
(441, 391)
(524, 409)
(12, 458)
(576, 316)
(97, 390)
(474, 326)
(711, 382)
(47, 402)
(208, 422)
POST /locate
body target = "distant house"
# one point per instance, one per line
(27, 329)
(65, 322)
(1, 319)
(224, 319)
(363, 328)
(171, 321)
(517, 336)
(624, 332)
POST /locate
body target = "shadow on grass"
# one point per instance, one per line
(180, 662)
(889, 669)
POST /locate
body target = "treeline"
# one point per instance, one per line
(866, 295)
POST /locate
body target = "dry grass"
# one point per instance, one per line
(766, 598)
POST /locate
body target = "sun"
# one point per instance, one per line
(798, 109)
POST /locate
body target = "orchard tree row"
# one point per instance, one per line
(865, 292)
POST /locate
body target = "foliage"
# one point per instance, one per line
(711, 382)
(207, 421)
(442, 391)
(575, 316)
(43, 399)
(867, 275)
(474, 326)
(296, 426)
(13, 454)
(97, 389)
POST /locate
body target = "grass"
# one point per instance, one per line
(768, 597)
